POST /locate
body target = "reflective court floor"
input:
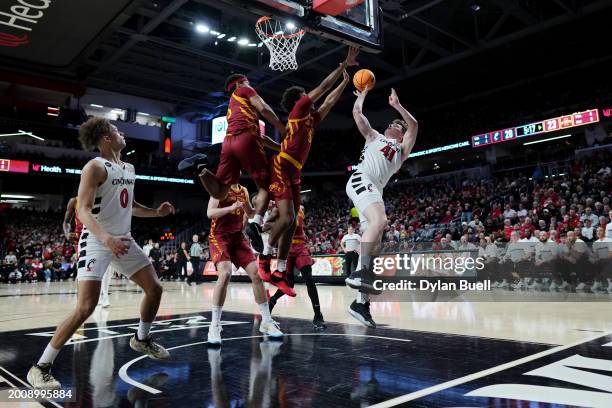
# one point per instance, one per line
(459, 354)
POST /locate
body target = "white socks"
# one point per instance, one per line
(48, 355)
(143, 330)
(216, 315)
(267, 249)
(281, 265)
(265, 311)
(363, 297)
(257, 218)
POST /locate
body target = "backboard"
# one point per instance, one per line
(361, 25)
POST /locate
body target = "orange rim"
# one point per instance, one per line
(266, 18)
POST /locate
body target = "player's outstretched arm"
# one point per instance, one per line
(68, 216)
(331, 79)
(266, 111)
(92, 176)
(333, 96)
(213, 211)
(413, 126)
(139, 210)
(360, 120)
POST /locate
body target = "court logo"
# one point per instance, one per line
(22, 16)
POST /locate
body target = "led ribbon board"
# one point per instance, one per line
(536, 128)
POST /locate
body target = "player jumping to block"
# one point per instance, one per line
(381, 157)
(285, 182)
(243, 148)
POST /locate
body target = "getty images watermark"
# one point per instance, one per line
(431, 272)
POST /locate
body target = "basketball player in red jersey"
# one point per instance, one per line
(285, 180)
(72, 212)
(299, 258)
(228, 245)
(243, 148)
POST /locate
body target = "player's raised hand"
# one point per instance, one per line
(393, 99)
(351, 58)
(118, 245)
(361, 94)
(164, 209)
(345, 77)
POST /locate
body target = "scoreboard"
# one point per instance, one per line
(544, 126)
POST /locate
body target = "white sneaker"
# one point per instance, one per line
(609, 286)
(149, 347)
(504, 284)
(519, 286)
(564, 286)
(596, 287)
(496, 284)
(105, 302)
(581, 287)
(537, 286)
(553, 286)
(40, 377)
(270, 329)
(214, 334)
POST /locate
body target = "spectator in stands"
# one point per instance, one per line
(11, 259)
(587, 232)
(509, 213)
(146, 248)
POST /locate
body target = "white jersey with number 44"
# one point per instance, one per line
(112, 207)
(380, 159)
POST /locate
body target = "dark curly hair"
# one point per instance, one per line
(92, 131)
(291, 96)
(230, 79)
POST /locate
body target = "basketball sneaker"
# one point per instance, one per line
(318, 322)
(270, 328)
(284, 287)
(149, 347)
(361, 312)
(194, 164)
(362, 280)
(253, 231)
(214, 334)
(581, 287)
(504, 284)
(40, 376)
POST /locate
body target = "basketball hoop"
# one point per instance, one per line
(281, 41)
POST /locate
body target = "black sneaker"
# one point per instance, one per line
(361, 312)
(362, 281)
(253, 230)
(194, 164)
(319, 322)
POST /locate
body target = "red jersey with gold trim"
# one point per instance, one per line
(299, 237)
(302, 121)
(241, 114)
(232, 222)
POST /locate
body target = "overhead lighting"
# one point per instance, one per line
(143, 114)
(547, 140)
(130, 152)
(17, 196)
(221, 36)
(231, 39)
(201, 28)
(252, 45)
(13, 201)
(290, 25)
(214, 32)
(216, 42)
(305, 191)
(120, 111)
(93, 105)
(259, 45)
(243, 41)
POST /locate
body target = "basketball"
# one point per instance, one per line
(363, 78)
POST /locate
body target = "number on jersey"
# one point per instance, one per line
(123, 198)
(388, 152)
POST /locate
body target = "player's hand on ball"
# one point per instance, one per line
(351, 58)
(164, 209)
(119, 245)
(393, 99)
(361, 94)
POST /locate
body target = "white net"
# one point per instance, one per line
(282, 40)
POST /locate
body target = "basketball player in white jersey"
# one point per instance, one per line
(106, 205)
(381, 157)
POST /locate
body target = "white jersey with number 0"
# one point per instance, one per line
(380, 159)
(112, 207)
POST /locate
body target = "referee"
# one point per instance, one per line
(195, 253)
(350, 243)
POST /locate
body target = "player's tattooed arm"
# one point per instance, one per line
(139, 210)
(413, 126)
(360, 120)
(213, 211)
(266, 111)
(333, 96)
